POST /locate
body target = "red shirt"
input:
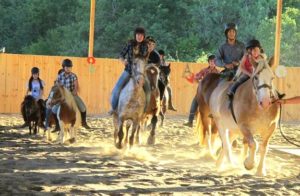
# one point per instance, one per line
(200, 75)
(248, 66)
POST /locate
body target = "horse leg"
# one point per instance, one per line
(128, 125)
(134, 128)
(249, 162)
(162, 115)
(137, 135)
(227, 141)
(151, 138)
(261, 170)
(120, 135)
(30, 127)
(244, 150)
(115, 122)
(61, 132)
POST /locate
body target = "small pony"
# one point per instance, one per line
(32, 112)
(68, 113)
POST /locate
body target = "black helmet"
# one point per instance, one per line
(161, 52)
(211, 57)
(150, 39)
(35, 70)
(229, 26)
(252, 44)
(67, 63)
(139, 30)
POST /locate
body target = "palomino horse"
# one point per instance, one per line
(32, 112)
(68, 113)
(255, 115)
(164, 94)
(132, 102)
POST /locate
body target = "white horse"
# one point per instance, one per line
(132, 102)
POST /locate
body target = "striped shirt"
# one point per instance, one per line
(67, 80)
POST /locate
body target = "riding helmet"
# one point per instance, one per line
(139, 30)
(150, 39)
(35, 70)
(229, 26)
(67, 63)
(252, 44)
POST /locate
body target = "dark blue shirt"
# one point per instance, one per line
(127, 52)
(228, 53)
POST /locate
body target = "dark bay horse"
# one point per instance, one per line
(255, 115)
(164, 79)
(33, 113)
(68, 113)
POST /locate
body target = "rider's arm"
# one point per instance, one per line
(220, 59)
(123, 54)
(75, 87)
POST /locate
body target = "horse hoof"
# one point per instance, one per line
(151, 140)
(118, 145)
(249, 164)
(72, 140)
(261, 173)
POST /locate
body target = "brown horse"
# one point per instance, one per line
(252, 106)
(153, 108)
(68, 113)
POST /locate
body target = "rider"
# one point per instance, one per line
(126, 57)
(35, 88)
(169, 89)
(247, 65)
(69, 80)
(231, 52)
(198, 77)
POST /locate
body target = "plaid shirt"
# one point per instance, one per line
(127, 53)
(67, 80)
(200, 75)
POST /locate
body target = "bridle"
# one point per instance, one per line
(257, 88)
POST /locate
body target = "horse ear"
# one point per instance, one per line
(169, 65)
(271, 61)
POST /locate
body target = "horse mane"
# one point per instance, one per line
(68, 98)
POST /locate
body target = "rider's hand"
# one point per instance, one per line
(235, 63)
(48, 103)
(229, 66)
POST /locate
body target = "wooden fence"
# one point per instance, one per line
(96, 82)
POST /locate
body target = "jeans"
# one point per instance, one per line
(81, 106)
(193, 109)
(124, 78)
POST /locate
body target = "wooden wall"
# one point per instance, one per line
(96, 82)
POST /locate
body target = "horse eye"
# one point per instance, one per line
(255, 78)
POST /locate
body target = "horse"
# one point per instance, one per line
(205, 126)
(132, 100)
(163, 82)
(250, 113)
(68, 113)
(32, 113)
(153, 108)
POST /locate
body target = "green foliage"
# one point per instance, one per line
(187, 30)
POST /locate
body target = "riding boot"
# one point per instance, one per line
(83, 120)
(236, 84)
(170, 107)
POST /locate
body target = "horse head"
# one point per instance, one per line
(29, 105)
(152, 73)
(57, 92)
(262, 80)
(165, 74)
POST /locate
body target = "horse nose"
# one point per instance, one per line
(265, 104)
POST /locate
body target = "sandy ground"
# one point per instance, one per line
(29, 165)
